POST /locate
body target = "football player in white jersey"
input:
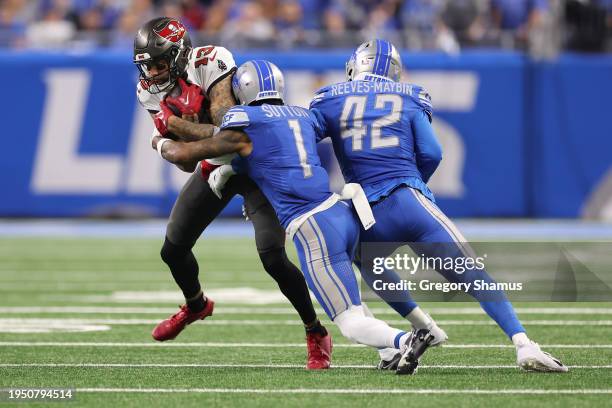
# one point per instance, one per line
(171, 70)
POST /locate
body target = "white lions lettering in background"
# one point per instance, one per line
(60, 169)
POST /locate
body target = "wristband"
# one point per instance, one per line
(154, 135)
(215, 130)
(159, 146)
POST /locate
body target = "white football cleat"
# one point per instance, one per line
(530, 357)
(439, 335)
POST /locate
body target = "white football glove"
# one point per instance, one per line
(218, 177)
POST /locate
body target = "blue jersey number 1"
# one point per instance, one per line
(294, 125)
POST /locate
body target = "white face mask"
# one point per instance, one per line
(155, 88)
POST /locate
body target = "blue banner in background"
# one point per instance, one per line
(519, 138)
(571, 138)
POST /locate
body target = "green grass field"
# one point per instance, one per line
(94, 303)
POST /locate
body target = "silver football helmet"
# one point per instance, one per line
(375, 57)
(258, 80)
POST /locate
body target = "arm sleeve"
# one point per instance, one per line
(320, 125)
(427, 149)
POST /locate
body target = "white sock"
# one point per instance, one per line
(402, 341)
(385, 354)
(419, 319)
(520, 339)
(359, 328)
(366, 310)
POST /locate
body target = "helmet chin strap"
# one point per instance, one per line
(161, 87)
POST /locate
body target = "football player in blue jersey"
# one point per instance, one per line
(275, 145)
(383, 139)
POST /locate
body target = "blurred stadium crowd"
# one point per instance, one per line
(448, 25)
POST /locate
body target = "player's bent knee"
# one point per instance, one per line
(269, 242)
(171, 253)
(274, 261)
(350, 323)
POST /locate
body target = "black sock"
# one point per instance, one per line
(290, 281)
(184, 269)
(316, 328)
(198, 303)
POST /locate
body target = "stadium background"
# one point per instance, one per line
(523, 117)
(521, 92)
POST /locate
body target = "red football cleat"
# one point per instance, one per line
(172, 327)
(319, 351)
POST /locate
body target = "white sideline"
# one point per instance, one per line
(213, 365)
(346, 391)
(284, 310)
(265, 345)
(33, 321)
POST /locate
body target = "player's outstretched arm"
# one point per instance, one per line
(190, 131)
(225, 142)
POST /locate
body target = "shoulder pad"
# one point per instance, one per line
(319, 96)
(236, 117)
(210, 64)
(422, 97)
(423, 100)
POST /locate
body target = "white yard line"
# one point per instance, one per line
(348, 391)
(212, 365)
(286, 310)
(266, 345)
(35, 321)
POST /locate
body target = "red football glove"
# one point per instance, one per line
(161, 118)
(207, 168)
(189, 102)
